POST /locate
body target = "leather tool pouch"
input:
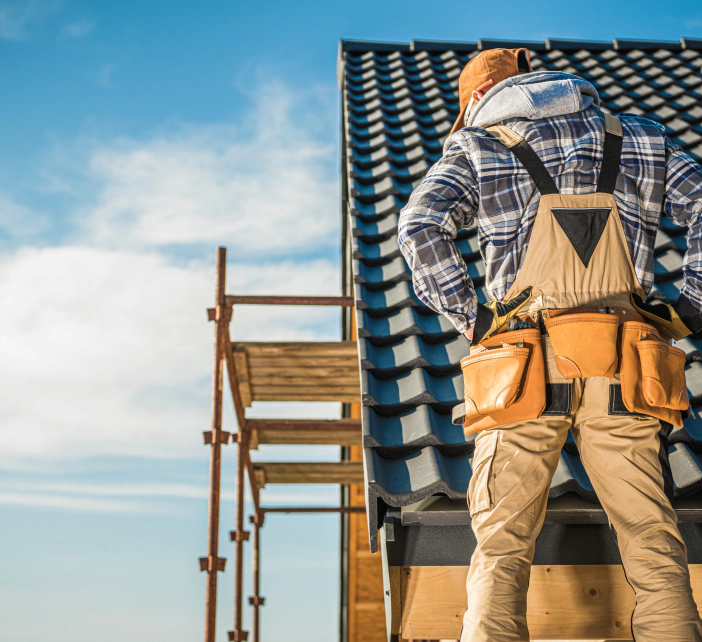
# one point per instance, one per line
(663, 375)
(584, 344)
(514, 391)
(652, 374)
(492, 379)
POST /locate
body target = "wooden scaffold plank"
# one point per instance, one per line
(335, 472)
(297, 371)
(337, 432)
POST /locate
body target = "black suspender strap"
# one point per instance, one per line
(527, 157)
(611, 155)
(532, 163)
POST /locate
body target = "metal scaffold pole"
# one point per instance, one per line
(213, 564)
(239, 536)
(256, 600)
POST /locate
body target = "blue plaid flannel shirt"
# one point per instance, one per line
(478, 179)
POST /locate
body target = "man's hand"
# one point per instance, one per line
(675, 321)
(494, 315)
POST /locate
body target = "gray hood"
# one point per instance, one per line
(541, 94)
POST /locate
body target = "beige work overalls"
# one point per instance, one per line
(513, 464)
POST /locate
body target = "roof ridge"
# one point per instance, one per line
(618, 44)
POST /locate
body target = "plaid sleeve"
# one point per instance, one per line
(683, 205)
(444, 202)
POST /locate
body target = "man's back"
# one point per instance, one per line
(485, 184)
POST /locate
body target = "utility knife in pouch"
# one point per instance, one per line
(652, 372)
(530, 399)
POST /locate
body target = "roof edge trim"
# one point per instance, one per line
(488, 43)
(373, 45)
(442, 45)
(577, 45)
(620, 44)
(550, 44)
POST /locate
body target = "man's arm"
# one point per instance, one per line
(683, 205)
(444, 202)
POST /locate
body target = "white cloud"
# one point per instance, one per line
(17, 16)
(104, 340)
(17, 221)
(264, 186)
(150, 489)
(109, 352)
(104, 75)
(96, 360)
(139, 498)
(77, 29)
(64, 502)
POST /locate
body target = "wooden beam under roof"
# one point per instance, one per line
(565, 602)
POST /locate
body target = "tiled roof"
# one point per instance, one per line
(399, 102)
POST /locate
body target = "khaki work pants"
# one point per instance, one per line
(512, 470)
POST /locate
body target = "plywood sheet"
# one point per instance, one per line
(564, 602)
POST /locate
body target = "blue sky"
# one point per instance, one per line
(134, 138)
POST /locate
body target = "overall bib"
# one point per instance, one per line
(577, 257)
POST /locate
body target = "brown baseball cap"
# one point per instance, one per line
(484, 71)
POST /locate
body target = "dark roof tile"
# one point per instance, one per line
(400, 102)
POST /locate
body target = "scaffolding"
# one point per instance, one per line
(272, 371)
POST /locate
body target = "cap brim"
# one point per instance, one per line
(459, 124)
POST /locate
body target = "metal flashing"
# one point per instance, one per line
(534, 45)
(577, 45)
(622, 44)
(442, 46)
(371, 45)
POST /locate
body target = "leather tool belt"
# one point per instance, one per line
(505, 375)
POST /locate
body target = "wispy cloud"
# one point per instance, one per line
(146, 497)
(693, 23)
(72, 503)
(77, 29)
(18, 222)
(18, 16)
(105, 74)
(264, 185)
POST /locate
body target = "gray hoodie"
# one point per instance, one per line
(540, 94)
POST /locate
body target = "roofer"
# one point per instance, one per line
(567, 200)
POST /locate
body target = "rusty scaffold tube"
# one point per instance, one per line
(213, 564)
(256, 600)
(239, 536)
(276, 299)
